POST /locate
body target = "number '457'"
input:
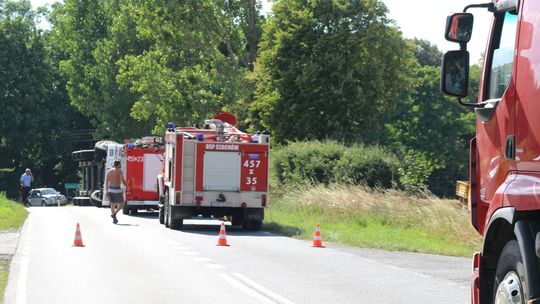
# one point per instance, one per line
(252, 163)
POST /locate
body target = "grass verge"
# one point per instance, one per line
(12, 216)
(4, 271)
(385, 219)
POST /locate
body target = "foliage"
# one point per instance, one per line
(373, 166)
(426, 53)
(38, 128)
(329, 69)
(133, 66)
(430, 132)
(329, 162)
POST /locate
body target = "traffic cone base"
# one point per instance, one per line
(78, 238)
(222, 241)
(317, 242)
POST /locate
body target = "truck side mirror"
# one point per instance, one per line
(459, 27)
(455, 73)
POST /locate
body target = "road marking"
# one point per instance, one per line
(21, 283)
(245, 289)
(274, 296)
(214, 266)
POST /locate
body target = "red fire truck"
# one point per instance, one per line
(505, 154)
(215, 171)
(143, 162)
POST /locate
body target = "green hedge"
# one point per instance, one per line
(327, 162)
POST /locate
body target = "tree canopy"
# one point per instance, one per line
(330, 69)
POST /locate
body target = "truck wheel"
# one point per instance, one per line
(161, 215)
(509, 276)
(176, 224)
(134, 211)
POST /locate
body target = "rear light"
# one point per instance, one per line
(263, 200)
(198, 200)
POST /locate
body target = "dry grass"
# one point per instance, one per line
(382, 215)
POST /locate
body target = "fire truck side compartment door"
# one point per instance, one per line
(221, 171)
(152, 167)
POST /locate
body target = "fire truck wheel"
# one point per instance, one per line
(134, 211)
(161, 216)
(176, 224)
(510, 274)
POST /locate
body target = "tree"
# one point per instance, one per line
(133, 66)
(426, 53)
(431, 132)
(330, 69)
(38, 128)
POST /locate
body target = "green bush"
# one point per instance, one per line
(327, 162)
(372, 166)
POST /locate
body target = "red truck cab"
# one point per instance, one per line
(505, 154)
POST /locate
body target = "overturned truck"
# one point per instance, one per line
(142, 161)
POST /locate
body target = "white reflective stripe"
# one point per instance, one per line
(114, 190)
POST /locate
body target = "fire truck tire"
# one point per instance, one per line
(134, 211)
(508, 286)
(176, 224)
(161, 216)
(254, 225)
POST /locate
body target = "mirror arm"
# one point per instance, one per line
(472, 105)
(490, 6)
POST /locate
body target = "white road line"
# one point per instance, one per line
(21, 283)
(214, 266)
(274, 296)
(245, 289)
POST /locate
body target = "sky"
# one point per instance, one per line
(423, 19)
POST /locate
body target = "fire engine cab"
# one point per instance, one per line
(216, 171)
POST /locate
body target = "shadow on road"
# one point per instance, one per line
(120, 224)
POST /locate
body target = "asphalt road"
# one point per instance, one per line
(139, 261)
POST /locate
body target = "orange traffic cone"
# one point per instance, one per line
(222, 241)
(78, 239)
(317, 238)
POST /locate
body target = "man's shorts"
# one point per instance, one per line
(116, 196)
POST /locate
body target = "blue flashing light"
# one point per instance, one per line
(130, 146)
(200, 137)
(170, 126)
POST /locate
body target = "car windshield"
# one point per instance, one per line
(47, 191)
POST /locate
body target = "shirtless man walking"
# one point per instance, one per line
(112, 183)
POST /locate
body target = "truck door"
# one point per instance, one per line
(527, 150)
(496, 136)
